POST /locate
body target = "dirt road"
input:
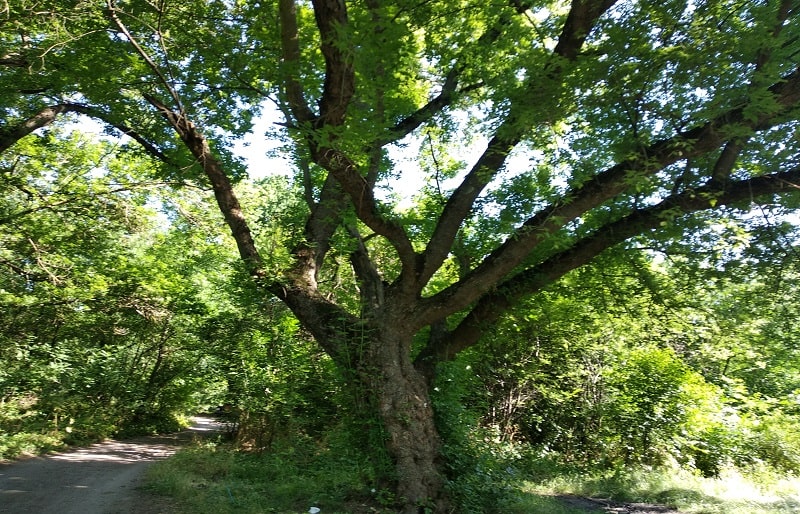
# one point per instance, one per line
(98, 479)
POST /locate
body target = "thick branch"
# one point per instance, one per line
(401, 129)
(727, 160)
(332, 327)
(325, 218)
(370, 282)
(494, 305)
(595, 192)
(329, 324)
(366, 206)
(338, 89)
(290, 45)
(460, 204)
(223, 190)
(14, 60)
(339, 86)
(10, 135)
(359, 189)
(583, 15)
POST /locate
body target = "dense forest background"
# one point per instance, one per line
(124, 311)
(555, 235)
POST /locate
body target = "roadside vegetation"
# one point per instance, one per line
(672, 381)
(734, 491)
(215, 479)
(484, 255)
(631, 407)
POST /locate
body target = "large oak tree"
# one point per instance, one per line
(596, 121)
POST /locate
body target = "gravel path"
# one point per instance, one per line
(99, 479)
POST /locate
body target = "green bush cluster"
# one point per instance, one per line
(90, 396)
(605, 379)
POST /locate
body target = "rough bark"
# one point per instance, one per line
(404, 407)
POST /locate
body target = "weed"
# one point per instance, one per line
(219, 479)
(733, 492)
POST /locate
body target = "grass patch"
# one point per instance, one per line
(757, 492)
(217, 479)
(531, 503)
(212, 479)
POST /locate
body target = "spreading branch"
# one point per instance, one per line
(47, 115)
(363, 199)
(323, 221)
(492, 306)
(10, 135)
(371, 284)
(583, 16)
(290, 47)
(227, 201)
(156, 69)
(339, 85)
(595, 192)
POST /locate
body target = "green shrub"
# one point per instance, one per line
(13, 446)
(480, 465)
(300, 473)
(772, 439)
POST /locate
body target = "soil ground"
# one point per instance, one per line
(597, 505)
(103, 478)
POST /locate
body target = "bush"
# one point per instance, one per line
(772, 439)
(480, 465)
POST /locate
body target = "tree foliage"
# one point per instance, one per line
(635, 361)
(550, 132)
(101, 304)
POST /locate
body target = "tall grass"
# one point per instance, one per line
(757, 491)
(298, 475)
(217, 480)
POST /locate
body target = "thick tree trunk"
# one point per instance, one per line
(407, 414)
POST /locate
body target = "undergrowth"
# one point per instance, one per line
(210, 478)
(753, 491)
(216, 479)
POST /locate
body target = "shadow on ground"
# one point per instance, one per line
(599, 505)
(99, 479)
